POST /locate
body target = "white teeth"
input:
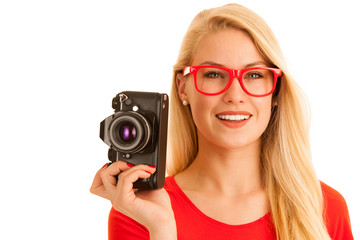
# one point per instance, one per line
(233, 117)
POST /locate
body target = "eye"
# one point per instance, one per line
(213, 75)
(253, 75)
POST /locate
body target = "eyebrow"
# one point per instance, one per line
(253, 64)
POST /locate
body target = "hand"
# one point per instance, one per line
(150, 208)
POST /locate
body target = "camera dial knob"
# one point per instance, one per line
(127, 155)
(128, 102)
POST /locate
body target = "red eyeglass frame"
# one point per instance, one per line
(233, 73)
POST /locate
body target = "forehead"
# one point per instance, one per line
(231, 48)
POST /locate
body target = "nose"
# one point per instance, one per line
(235, 94)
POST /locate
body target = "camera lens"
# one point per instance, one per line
(129, 132)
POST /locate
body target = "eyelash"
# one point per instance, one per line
(208, 75)
(259, 75)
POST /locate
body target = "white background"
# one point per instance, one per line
(61, 63)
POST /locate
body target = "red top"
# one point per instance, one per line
(192, 224)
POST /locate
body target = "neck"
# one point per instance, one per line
(229, 171)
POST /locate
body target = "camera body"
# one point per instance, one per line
(137, 133)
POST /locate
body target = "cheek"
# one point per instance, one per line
(264, 112)
(200, 108)
(195, 99)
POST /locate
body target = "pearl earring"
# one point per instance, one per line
(185, 103)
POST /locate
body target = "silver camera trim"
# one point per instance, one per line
(146, 132)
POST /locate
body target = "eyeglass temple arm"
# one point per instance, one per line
(186, 71)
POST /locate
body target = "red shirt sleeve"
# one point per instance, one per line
(336, 214)
(122, 227)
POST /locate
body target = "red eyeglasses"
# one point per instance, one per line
(214, 80)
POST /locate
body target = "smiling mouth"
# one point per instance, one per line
(233, 117)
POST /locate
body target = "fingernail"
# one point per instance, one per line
(152, 166)
(129, 164)
(105, 165)
(148, 172)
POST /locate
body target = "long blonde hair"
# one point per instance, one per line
(287, 172)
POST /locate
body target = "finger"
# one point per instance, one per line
(97, 186)
(125, 194)
(115, 168)
(142, 167)
(127, 178)
(108, 175)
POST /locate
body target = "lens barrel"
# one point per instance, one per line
(129, 132)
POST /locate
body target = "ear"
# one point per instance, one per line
(181, 85)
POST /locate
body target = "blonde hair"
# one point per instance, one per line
(288, 175)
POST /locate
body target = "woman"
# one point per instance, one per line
(240, 163)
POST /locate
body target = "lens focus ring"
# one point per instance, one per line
(129, 132)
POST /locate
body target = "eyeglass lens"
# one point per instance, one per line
(215, 80)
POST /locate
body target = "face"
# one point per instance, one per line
(214, 115)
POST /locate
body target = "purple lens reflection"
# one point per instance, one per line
(128, 132)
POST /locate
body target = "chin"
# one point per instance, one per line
(238, 143)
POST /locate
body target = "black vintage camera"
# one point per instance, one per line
(137, 133)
